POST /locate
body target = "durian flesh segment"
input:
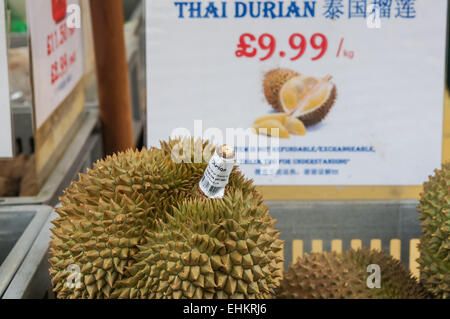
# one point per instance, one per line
(292, 92)
(296, 90)
(280, 117)
(282, 123)
(271, 128)
(317, 99)
(295, 126)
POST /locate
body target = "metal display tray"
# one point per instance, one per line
(83, 150)
(19, 227)
(305, 226)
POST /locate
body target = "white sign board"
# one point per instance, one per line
(57, 54)
(207, 62)
(6, 148)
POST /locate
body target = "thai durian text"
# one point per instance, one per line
(331, 10)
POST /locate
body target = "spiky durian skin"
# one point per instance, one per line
(343, 276)
(211, 249)
(112, 219)
(273, 82)
(434, 245)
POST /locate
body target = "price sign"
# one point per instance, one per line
(267, 43)
(6, 148)
(57, 54)
(324, 99)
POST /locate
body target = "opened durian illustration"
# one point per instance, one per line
(344, 276)
(301, 100)
(136, 227)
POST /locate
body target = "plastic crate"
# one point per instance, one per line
(316, 226)
(19, 227)
(84, 149)
(305, 226)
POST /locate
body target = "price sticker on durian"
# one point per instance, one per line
(320, 99)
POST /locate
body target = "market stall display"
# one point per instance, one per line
(130, 244)
(287, 149)
(339, 72)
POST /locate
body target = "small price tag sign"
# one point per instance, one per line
(57, 55)
(57, 72)
(6, 147)
(324, 99)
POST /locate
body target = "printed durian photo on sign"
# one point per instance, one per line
(328, 90)
(298, 101)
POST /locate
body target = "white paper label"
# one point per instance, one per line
(6, 148)
(207, 61)
(57, 54)
(216, 176)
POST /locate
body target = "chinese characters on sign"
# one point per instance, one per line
(330, 9)
(337, 86)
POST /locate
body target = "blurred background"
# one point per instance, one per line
(84, 145)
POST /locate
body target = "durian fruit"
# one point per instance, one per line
(271, 128)
(283, 124)
(344, 276)
(136, 226)
(273, 82)
(295, 126)
(434, 245)
(210, 249)
(280, 117)
(308, 98)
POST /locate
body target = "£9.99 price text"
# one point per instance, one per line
(249, 45)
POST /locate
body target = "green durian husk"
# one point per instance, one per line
(434, 245)
(137, 227)
(344, 276)
(272, 84)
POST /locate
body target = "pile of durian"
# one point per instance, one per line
(344, 276)
(332, 275)
(137, 227)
